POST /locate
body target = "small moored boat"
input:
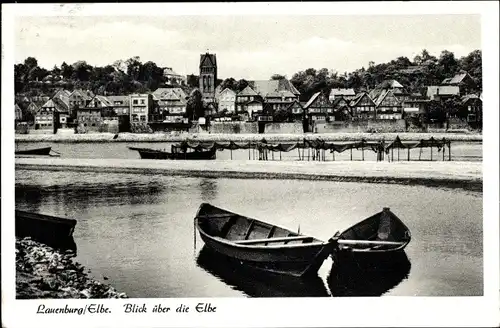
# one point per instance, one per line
(372, 242)
(51, 230)
(261, 245)
(34, 151)
(147, 153)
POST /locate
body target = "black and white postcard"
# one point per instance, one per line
(250, 164)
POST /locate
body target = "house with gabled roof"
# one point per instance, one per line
(341, 109)
(462, 80)
(296, 110)
(52, 113)
(317, 107)
(244, 97)
(363, 107)
(226, 100)
(388, 107)
(171, 104)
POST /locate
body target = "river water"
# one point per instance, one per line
(136, 231)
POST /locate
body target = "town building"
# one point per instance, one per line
(474, 106)
(172, 78)
(442, 92)
(208, 77)
(140, 107)
(318, 107)
(363, 107)
(52, 114)
(226, 100)
(171, 105)
(388, 107)
(463, 81)
(243, 98)
(347, 94)
(296, 110)
(341, 109)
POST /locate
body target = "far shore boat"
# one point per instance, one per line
(34, 151)
(147, 153)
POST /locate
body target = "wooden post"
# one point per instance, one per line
(351, 154)
(363, 153)
(420, 154)
(444, 149)
(392, 154)
(333, 155)
(308, 153)
(408, 154)
(431, 152)
(231, 153)
(272, 155)
(280, 155)
(249, 152)
(398, 154)
(299, 153)
(449, 150)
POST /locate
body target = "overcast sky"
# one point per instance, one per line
(250, 47)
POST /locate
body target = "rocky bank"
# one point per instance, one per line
(43, 272)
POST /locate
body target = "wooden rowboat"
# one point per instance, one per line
(34, 151)
(261, 245)
(53, 231)
(147, 153)
(372, 242)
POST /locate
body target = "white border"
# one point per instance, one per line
(386, 311)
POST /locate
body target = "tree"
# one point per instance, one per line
(228, 83)
(192, 81)
(194, 107)
(66, 70)
(31, 63)
(277, 77)
(436, 112)
(241, 84)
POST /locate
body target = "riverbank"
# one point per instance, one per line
(42, 272)
(163, 137)
(465, 175)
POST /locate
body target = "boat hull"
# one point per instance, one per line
(195, 155)
(297, 262)
(36, 151)
(384, 228)
(50, 230)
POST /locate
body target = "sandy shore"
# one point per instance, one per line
(163, 137)
(43, 272)
(466, 175)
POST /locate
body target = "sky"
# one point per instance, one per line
(250, 47)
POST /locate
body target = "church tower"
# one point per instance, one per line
(208, 76)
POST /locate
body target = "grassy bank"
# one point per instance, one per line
(163, 137)
(43, 272)
(465, 175)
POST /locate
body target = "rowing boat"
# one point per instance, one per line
(147, 153)
(53, 231)
(34, 151)
(372, 242)
(261, 245)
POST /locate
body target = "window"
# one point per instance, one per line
(142, 102)
(135, 102)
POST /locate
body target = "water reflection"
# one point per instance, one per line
(353, 280)
(258, 284)
(208, 189)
